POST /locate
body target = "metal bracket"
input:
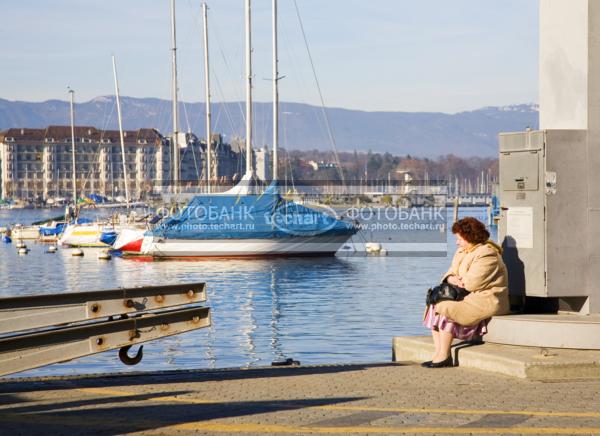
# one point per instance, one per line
(34, 311)
(41, 330)
(32, 350)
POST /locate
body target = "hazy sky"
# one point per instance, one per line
(392, 55)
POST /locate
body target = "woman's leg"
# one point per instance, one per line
(435, 334)
(445, 342)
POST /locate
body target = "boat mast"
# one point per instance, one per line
(176, 170)
(275, 95)
(125, 178)
(249, 170)
(207, 98)
(71, 94)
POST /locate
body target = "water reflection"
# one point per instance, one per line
(322, 310)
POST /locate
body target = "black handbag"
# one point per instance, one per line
(445, 292)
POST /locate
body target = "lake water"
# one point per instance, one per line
(315, 310)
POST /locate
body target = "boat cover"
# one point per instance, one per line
(109, 237)
(263, 216)
(52, 230)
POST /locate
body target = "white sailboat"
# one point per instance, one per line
(239, 223)
(21, 232)
(99, 234)
(129, 242)
(78, 234)
(83, 235)
(128, 235)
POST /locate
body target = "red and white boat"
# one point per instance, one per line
(129, 241)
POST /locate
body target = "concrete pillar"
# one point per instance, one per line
(570, 100)
(564, 64)
(593, 125)
(569, 65)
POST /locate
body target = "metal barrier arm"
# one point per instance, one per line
(35, 311)
(28, 351)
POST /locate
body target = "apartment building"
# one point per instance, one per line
(36, 164)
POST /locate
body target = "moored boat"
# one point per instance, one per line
(20, 232)
(129, 241)
(244, 222)
(262, 225)
(82, 234)
(247, 248)
(50, 232)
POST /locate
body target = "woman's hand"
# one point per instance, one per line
(456, 281)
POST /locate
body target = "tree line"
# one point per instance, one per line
(467, 174)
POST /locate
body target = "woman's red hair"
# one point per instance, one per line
(471, 230)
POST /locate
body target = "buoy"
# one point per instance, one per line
(104, 255)
(77, 252)
(52, 249)
(23, 251)
(373, 247)
(21, 244)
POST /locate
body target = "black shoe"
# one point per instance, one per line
(426, 364)
(443, 364)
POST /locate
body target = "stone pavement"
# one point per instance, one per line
(342, 399)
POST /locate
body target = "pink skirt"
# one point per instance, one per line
(435, 321)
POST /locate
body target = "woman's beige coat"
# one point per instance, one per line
(484, 274)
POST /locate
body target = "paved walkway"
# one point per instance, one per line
(346, 399)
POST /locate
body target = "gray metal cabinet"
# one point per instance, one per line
(544, 223)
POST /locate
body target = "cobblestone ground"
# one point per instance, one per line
(346, 399)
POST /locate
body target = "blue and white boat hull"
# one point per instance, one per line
(319, 245)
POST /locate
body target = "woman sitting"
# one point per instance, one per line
(477, 266)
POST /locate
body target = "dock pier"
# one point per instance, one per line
(383, 398)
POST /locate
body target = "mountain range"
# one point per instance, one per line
(303, 127)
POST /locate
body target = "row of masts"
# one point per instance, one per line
(174, 94)
(248, 38)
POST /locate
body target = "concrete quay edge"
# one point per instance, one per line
(531, 363)
(550, 331)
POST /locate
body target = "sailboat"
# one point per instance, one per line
(129, 241)
(21, 232)
(120, 238)
(241, 222)
(82, 233)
